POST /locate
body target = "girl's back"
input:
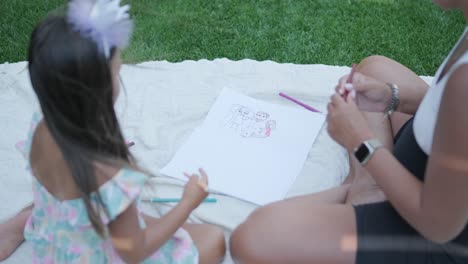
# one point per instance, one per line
(49, 166)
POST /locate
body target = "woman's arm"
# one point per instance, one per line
(410, 98)
(438, 209)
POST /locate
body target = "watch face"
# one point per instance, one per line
(361, 153)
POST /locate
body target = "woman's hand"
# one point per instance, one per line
(346, 124)
(371, 95)
(196, 189)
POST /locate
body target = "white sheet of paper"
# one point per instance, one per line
(250, 149)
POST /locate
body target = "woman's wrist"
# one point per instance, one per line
(358, 138)
(410, 98)
(388, 94)
(394, 102)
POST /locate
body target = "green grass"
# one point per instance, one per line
(336, 32)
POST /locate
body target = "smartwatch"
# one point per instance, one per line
(364, 152)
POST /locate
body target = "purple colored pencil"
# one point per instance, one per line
(308, 107)
(350, 77)
(349, 80)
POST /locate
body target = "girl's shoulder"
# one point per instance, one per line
(124, 180)
(120, 191)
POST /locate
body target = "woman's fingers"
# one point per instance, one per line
(343, 80)
(339, 89)
(329, 107)
(349, 86)
(336, 100)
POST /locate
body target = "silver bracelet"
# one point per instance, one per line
(395, 101)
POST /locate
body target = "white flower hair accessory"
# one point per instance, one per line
(104, 21)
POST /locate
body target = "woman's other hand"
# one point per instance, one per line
(346, 124)
(371, 95)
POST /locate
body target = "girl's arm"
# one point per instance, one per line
(134, 244)
(438, 209)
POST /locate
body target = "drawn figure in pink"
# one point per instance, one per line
(249, 123)
(258, 130)
(270, 125)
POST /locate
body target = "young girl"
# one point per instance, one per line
(85, 183)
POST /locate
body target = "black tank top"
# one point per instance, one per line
(416, 161)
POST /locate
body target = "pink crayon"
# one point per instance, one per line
(308, 107)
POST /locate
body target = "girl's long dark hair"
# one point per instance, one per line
(73, 83)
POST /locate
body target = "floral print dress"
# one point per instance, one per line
(60, 231)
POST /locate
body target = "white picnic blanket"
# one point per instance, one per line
(162, 104)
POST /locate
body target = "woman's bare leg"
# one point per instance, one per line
(299, 230)
(307, 230)
(208, 239)
(11, 233)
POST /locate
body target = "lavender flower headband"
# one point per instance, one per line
(104, 21)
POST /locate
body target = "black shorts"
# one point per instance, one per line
(384, 237)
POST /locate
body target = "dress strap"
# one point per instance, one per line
(24, 146)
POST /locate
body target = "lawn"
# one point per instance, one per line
(335, 32)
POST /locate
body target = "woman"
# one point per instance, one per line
(425, 179)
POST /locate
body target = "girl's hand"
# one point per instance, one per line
(196, 189)
(346, 124)
(371, 95)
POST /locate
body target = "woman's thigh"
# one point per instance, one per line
(299, 230)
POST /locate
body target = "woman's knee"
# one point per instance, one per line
(371, 64)
(242, 245)
(247, 239)
(388, 70)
